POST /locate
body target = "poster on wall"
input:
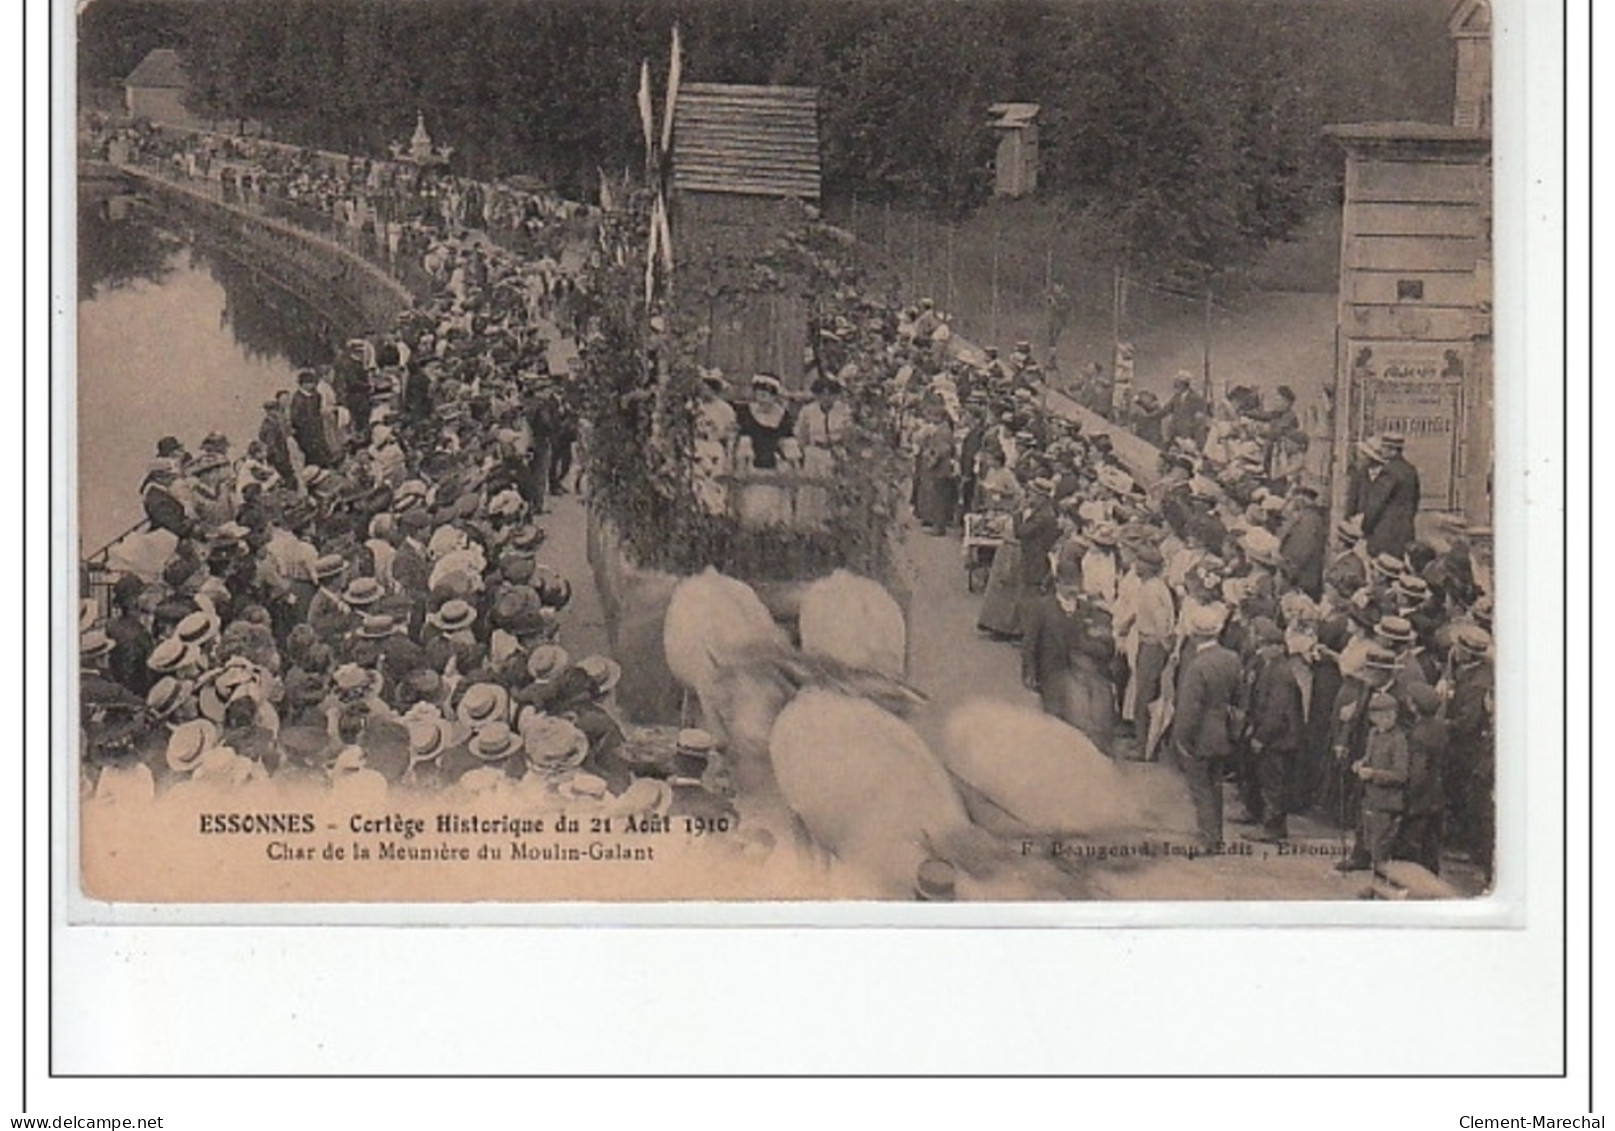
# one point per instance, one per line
(1415, 389)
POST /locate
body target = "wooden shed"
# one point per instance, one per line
(744, 159)
(1016, 165)
(1415, 303)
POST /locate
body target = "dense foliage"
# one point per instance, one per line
(1189, 130)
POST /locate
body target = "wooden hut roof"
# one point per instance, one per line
(161, 67)
(747, 140)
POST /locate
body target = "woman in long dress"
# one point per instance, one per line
(820, 427)
(935, 476)
(1021, 565)
(716, 426)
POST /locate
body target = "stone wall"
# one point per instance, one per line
(363, 296)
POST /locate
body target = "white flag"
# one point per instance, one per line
(645, 113)
(675, 71)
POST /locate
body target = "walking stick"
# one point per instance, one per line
(1341, 771)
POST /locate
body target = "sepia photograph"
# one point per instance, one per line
(652, 451)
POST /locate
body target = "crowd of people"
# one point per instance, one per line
(358, 594)
(357, 599)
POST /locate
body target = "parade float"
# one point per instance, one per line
(657, 513)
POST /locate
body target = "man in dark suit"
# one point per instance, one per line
(1209, 688)
(1038, 529)
(1390, 499)
(1305, 542)
(1185, 414)
(1277, 725)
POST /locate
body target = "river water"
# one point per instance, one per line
(174, 338)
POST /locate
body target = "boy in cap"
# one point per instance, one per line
(1348, 740)
(1383, 770)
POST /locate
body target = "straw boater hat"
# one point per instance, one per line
(546, 662)
(1389, 566)
(1380, 658)
(1473, 639)
(327, 566)
(1206, 620)
(221, 690)
(188, 743)
(582, 786)
(1351, 529)
(495, 742)
(353, 682)
(696, 741)
(603, 670)
(1262, 546)
(410, 493)
(1411, 589)
(505, 503)
(1392, 443)
(377, 627)
(1395, 630)
(1371, 451)
(170, 655)
(553, 743)
(426, 740)
(650, 796)
(165, 697)
(767, 381)
(94, 644)
(363, 591)
(454, 616)
(196, 629)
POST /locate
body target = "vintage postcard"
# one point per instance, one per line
(808, 450)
